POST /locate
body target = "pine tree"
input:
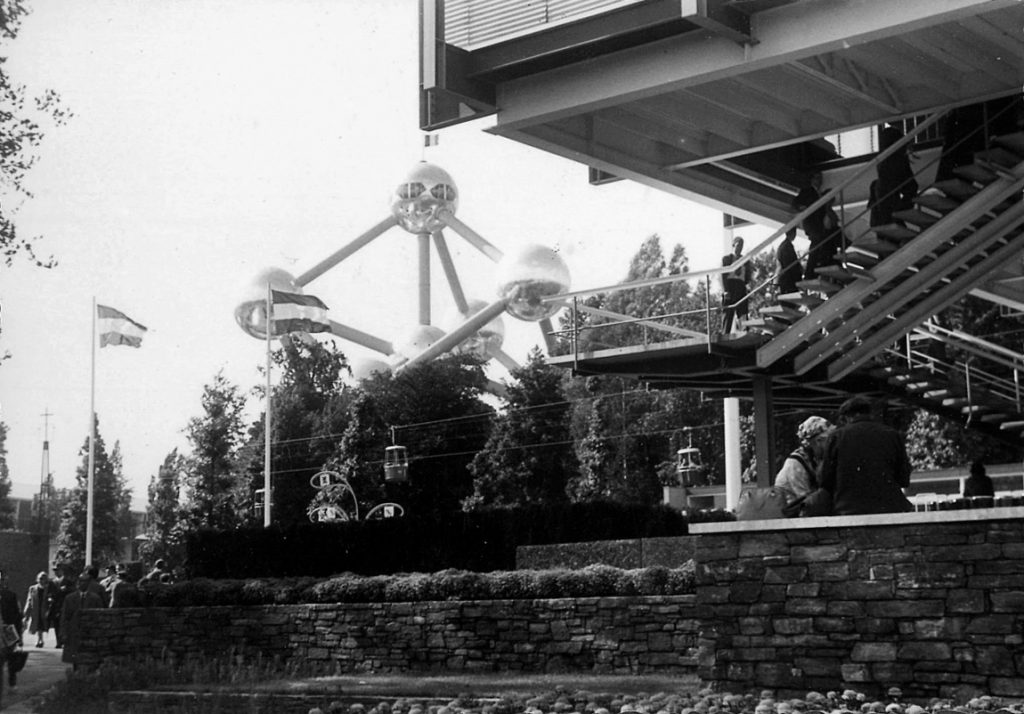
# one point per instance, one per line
(215, 495)
(111, 509)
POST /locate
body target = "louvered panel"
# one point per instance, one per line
(471, 24)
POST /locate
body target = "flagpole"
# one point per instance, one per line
(92, 442)
(266, 424)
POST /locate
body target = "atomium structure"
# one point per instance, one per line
(528, 283)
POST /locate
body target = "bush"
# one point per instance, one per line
(449, 584)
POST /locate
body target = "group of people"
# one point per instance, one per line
(861, 464)
(57, 604)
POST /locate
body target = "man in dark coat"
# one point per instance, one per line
(71, 614)
(734, 288)
(865, 466)
(10, 614)
(790, 270)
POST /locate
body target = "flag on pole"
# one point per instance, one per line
(116, 328)
(298, 313)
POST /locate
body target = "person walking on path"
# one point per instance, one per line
(64, 585)
(37, 606)
(10, 620)
(71, 615)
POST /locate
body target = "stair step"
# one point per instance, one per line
(809, 301)
(895, 232)
(859, 257)
(835, 273)
(1012, 425)
(994, 417)
(975, 409)
(998, 158)
(940, 393)
(819, 285)
(976, 173)
(956, 188)
(936, 201)
(873, 244)
(955, 402)
(921, 387)
(1013, 142)
(917, 216)
(783, 312)
(768, 327)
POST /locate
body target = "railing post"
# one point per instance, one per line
(575, 336)
(707, 307)
(1016, 387)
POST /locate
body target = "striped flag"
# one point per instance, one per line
(298, 313)
(116, 328)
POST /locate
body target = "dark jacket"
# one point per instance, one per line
(10, 610)
(865, 468)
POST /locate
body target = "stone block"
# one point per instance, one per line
(745, 592)
(845, 608)
(992, 624)
(918, 651)
(819, 553)
(828, 572)
(785, 574)
(834, 624)
(873, 652)
(855, 673)
(1011, 601)
(1007, 686)
(943, 628)
(792, 625)
(930, 575)
(906, 608)
(965, 601)
(765, 544)
(806, 606)
(803, 590)
(858, 590)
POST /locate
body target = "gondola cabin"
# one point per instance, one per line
(396, 464)
(688, 466)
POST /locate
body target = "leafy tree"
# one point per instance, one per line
(528, 458)
(935, 443)
(21, 134)
(439, 415)
(164, 535)
(310, 412)
(111, 508)
(214, 492)
(6, 505)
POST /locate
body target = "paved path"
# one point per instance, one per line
(43, 670)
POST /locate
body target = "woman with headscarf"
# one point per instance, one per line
(799, 473)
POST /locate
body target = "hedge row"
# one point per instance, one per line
(592, 581)
(479, 541)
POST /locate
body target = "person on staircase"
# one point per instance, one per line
(821, 227)
(734, 289)
(790, 269)
(896, 186)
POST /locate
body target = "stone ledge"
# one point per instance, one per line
(1002, 513)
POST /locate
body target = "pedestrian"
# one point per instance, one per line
(10, 619)
(64, 586)
(125, 593)
(978, 483)
(85, 598)
(896, 185)
(799, 473)
(734, 288)
(815, 225)
(94, 584)
(38, 602)
(790, 270)
(865, 466)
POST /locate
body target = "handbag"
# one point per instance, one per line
(16, 660)
(760, 504)
(811, 505)
(9, 636)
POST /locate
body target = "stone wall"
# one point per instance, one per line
(600, 635)
(930, 602)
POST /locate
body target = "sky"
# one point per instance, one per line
(211, 139)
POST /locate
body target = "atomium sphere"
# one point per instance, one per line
(418, 339)
(416, 201)
(485, 342)
(251, 313)
(529, 275)
(366, 367)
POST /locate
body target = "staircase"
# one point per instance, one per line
(962, 236)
